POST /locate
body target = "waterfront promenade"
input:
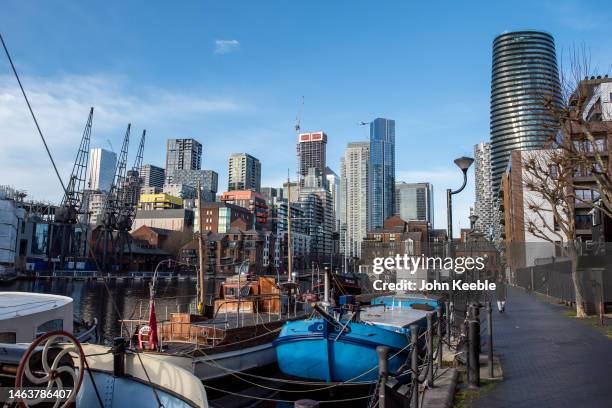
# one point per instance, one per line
(549, 360)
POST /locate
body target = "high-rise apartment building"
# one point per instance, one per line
(244, 172)
(183, 154)
(524, 78)
(311, 150)
(354, 226)
(483, 206)
(414, 201)
(333, 186)
(152, 176)
(102, 165)
(208, 179)
(382, 170)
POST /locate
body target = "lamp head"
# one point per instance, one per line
(473, 219)
(464, 163)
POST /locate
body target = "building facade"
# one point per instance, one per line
(524, 76)
(244, 172)
(311, 150)
(382, 170)
(208, 180)
(252, 201)
(414, 201)
(152, 176)
(333, 186)
(355, 223)
(102, 164)
(221, 217)
(483, 205)
(183, 154)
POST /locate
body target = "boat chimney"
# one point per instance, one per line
(118, 357)
(326, 287)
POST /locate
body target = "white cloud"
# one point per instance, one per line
(226, 46)
(61, 106)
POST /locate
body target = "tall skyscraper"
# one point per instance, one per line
(355, 167)
(102, 165)
(524, 78)
(382, 170)
(414, 201)
(183, 154)
(208, 179)
(483, 206)
(318, 206)
(152, 176)
(333, 186)
(311, 150)
(244, 172)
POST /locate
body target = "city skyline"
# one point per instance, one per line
(203, 99)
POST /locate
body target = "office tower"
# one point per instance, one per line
(183, 154)
(524, 79)
(102, 165)
(244, 172)
(272, 193)
(483, 206)
(414, 201)
(311, 152)
(382, 170)
(291, 191)
(152, 176)
(333, 186)
(355, 168)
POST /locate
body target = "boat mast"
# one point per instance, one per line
(289, 249)
(201, 302)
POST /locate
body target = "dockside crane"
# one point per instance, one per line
(69, 241)
(128, 202)
(105, 245)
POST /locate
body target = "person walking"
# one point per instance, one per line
(501, 293)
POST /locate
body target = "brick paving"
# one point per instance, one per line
(549, 360)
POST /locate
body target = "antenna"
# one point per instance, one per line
(298, 118)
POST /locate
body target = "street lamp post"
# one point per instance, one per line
(464, 164)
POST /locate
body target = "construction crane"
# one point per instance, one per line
(67, 241)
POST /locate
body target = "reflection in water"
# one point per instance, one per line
(131, 298)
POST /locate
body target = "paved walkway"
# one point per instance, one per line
(549, 360)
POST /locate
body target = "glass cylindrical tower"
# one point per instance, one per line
(524, 76)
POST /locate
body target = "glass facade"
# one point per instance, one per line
(382, 171)
(524, 78)
(414, 201)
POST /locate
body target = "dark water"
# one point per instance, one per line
(92, 299)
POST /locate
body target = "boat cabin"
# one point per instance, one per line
(24, 316)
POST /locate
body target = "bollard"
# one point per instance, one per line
(473, 370)
(448, 322)
(383, 372)
(439, 336)
(414, 341)
(118, 351)
(430, 374)
(306, 403)
(490, 337)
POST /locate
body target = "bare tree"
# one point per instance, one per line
(577, 139)
(547, 178)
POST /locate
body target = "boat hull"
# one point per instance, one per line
(216, 366)
(315, 349)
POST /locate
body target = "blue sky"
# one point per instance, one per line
(231, 74)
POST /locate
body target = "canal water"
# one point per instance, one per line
(130, 298)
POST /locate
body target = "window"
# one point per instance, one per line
(554, 171)
(600, 144)
(51, 325)
(8, 337)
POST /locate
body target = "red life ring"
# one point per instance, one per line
(143, 336)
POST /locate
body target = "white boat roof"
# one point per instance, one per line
(387, 316)
(161, 373)
(16, 304)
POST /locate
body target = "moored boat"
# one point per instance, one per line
(344, 348)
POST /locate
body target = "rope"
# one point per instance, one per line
(93, 382)
(116, 308)
(280, 400)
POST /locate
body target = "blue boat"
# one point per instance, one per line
(408, 300)
(344, 349)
